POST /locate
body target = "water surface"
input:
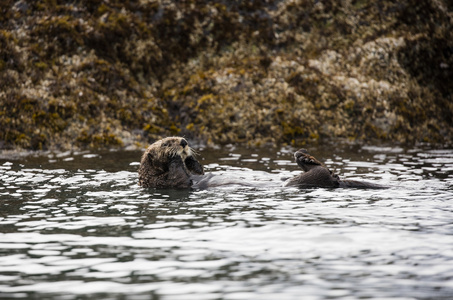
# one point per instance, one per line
(77, 225)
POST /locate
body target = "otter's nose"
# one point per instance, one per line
(183, 143)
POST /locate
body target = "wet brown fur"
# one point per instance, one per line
(168, 163)
(317, 175)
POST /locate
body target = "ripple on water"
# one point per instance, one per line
(76, 231)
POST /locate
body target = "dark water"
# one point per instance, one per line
(77, 226)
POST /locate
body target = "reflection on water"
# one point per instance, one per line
(77, 225)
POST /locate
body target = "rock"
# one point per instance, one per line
(88, 74)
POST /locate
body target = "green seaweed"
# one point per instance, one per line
(96, 73)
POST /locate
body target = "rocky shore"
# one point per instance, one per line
(114, 73)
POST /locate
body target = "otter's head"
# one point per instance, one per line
(305, 160)
(168, 148)
(159, 155)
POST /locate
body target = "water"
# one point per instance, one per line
(77, 226)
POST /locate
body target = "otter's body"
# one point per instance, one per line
(317, 175)
(168, 163)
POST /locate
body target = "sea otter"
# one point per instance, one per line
(317, 175)
(168, 163)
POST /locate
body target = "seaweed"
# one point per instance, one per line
(93, 73)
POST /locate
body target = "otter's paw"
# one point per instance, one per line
(194, 166)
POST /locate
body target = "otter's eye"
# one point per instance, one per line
(165, 145)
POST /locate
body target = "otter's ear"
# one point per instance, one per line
(150, 158)
(193, 165)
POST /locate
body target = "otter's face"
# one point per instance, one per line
(305, 160)
(164, 150)
(174, 146)
(159, 155)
